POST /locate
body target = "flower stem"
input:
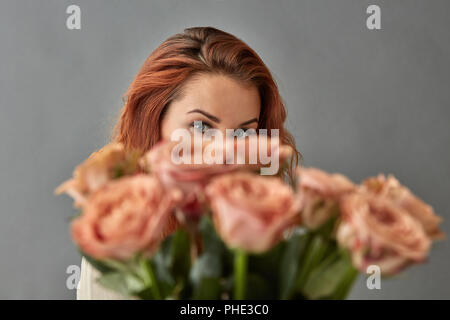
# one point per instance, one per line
(240, 274)
(150, 279)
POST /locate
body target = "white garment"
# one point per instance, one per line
(89, 289)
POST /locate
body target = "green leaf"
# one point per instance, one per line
(172, 263)
(123, 283)
(315, 251)
(149, 278)
(207, 289)
(208, 265)
(214, 248)
(114, 281)
(327, 229)
(346, 285)
(180, 262)
(210, 239)
(167, 283)
(122, 266)
(258, 288)
(289, 264)
(267, 262)
(97, 264)
(146, 294)
(163, 261)
(206, 273)
(348, 279)
(326, 278)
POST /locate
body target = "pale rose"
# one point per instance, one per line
(189, 178)
(377, 232)
(126, 216)
(102, 166)
(186, 176)
(391, 188)
(192, 177)
(260, 153)
(320, 193)
(251, 211)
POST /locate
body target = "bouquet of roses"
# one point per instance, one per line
(156, 229)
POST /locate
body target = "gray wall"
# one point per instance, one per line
(359, 102)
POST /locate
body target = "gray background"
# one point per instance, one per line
(359, 102)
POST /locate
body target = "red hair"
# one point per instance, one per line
(197, 50)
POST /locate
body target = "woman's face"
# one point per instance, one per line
(217, 101)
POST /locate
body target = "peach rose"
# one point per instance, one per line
(97, 170)
(189, 178)
(391, 188)
(186, 176)
(251, 211)
(260, 153)
(320, 193)
(126, 216)
(377, 232)
(192, 178)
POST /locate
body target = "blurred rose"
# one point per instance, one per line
(391, 188)
(126, 216)
(260, 153)
(188, 175)
(189, 178)
(320, 193)
(192, 177)
(110, 162)
(377, 232)
(250, 211)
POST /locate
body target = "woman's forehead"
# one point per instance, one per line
(222, 96)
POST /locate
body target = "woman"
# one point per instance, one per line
(200, 79)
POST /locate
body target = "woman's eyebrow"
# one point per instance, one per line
(249, 121)
(206, 114)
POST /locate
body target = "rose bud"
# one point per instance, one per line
(102, 166)
(320, 193)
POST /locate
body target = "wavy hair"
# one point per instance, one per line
(197, 50)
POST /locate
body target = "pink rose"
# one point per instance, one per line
(391, 188)
(377, 232)
(260, 153)
(251, 211)
(320, 193)
(124, 217)
(189, 178)
(190, 175)
(192, 178)
(102, 166)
